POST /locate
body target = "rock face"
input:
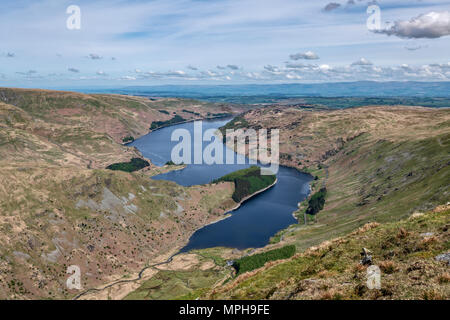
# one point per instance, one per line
(366, 257)
(445, 257)
(111, 203)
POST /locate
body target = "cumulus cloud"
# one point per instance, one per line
(308, 55)
(74, 70)
(94, 56)
(362, 62)
(192, 68)
(232, 67)
(430, 25)
(229, 66)
(331, 6)
(324, 67)
(291, 76)
(300, 66)
(252, 75)
(365, 70)
(177, 73)
(101, 73)
(128, 78)
(209, 73)
(162, 75)
(271, 68)
(442, 66)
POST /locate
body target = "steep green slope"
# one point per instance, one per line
(377, 163)
(405, 252)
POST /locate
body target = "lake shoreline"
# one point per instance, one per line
(290, 186)
(190, 120)
(229, 213)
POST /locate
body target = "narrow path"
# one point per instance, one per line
(164, 262)
(125, 281)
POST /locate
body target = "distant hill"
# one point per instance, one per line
(269, 93)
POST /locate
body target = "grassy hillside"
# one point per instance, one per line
(255, 261)
(59, 206)
(377, 163)
(405, 252)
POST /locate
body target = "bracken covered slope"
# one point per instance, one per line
(409, 253)
(60, 207)
(379, 165)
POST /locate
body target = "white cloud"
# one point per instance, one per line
(431, 25)
(298, 66)
(324, 67)
(272, 69)
(233, 67)
(94, 56)
(362, 62)
(308, 55)
(331, 6)
(291, 76)
(229, 66)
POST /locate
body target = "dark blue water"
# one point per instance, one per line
(257, 220)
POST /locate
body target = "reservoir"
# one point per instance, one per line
(256, 220)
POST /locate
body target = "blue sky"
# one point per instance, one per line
(137, 42)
